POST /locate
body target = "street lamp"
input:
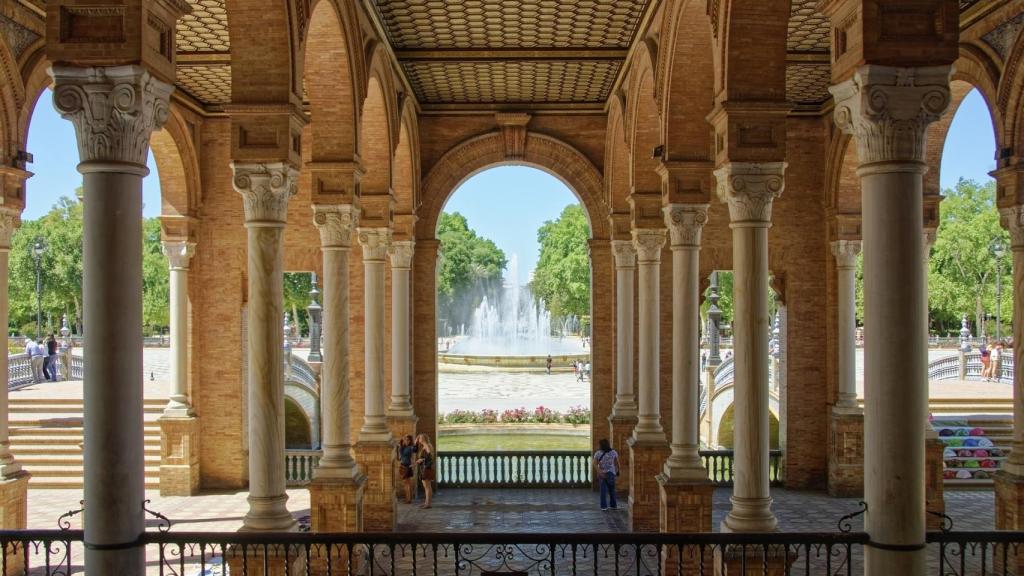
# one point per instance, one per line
(714, 323)
(315, 312)
(999, 250)
(37, 254)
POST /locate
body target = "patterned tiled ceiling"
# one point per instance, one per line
(807, 81)
(512, 82)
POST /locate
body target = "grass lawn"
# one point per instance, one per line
(511, 442)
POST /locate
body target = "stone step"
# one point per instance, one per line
(65, 449)
(67, 424)
(40, 481)
(68, 471)
(48, 461)
(40, 441)
(21, 400)
(65, 409)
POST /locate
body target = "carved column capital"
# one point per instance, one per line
(114, 110)
(178, 253)
(1012, 219)
(10, 220)
(685, 223)
(887, 110)
(375, 243)
(335, 223)
(749, 188)
(624, 253)
(846, 252)
(401, 252)
(648, 243)
(265, 188)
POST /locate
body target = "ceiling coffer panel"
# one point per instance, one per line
(207, 83)
(518, 81)
(808, 83)
(205, 29)
(510, 23)
(808, 28)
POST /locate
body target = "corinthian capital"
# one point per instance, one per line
(265, 188)
(178, 253)
(625, 254)
(335, 223)
(685, 222)
(401, 254)
(846, 252)
(10, 220)
(114, 110)
(887, 110)
(1012, 219)
(648, 243)
(375, 243)
(749, 188)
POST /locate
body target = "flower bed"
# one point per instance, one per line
(540, 415)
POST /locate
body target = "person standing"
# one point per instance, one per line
(38, 357)
(426, 464)
(996, 362)
(547, 364)
(986, 360)
(606, 461)
(50, 366)
(405, 451)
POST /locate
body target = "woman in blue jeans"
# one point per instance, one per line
(606, 461)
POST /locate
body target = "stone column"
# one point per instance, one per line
(749, 189)
(846, 447)
(114, 110)
(623, 417)
(887, 110)
(400, 414)
(374, 449)
(935, 498)
(648, 448)
(179, 428)
(265, 189)
(686, 491)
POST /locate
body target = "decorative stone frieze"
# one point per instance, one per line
(114, 110)
(685, 223)
(648, 243)
(265, 189)
(375, 243)
(9, 222)
(1012, 219)
(178, 253)
(335, 223)
(749, 189)
(625, 254)
(887, 109)
(846, 252)
(401, 252)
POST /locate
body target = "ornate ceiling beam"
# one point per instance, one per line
(491, 54)
(204, 58)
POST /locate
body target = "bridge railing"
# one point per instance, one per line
(19, 369)
(949, 368)
(549, 469)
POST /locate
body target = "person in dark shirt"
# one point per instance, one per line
(405, 451)
(50, 366)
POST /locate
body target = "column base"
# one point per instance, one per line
(265, 561)
(179, 456)
(846, 454)
(620, 428)
(1009, 516)
(934, 495)
(14, 516)
(685, 507)
(646, 461)
(750, 515)
(752, 561)
(376, 460)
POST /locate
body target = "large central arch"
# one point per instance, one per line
(457, 165)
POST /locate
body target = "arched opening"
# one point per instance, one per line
(298, 431)
(514, 314)
(725, 429)
(328, 82)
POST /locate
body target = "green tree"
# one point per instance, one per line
(562, 277)
(296, 297)
(469, 268)
(962, 270)
(156, 292)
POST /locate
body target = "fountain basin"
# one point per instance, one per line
(560, 361)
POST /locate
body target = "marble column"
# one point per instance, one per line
(648, 447)
(401, 262)
(623, 417)
(685, 490)
(336, 491)
(846, 421)
(265, 190)
(374, 449)
(179, 428)
(749, 189)
(114, 110)
(935, 498)
(887, 110)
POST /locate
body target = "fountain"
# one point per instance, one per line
(515, 329)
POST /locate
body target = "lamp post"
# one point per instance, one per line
(714, 323)
(315, 311)
(37, 254)
(998, 249)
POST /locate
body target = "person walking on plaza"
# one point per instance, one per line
(50, 365)
(37, 356)
(996, 362)
(426, 465)
(548, 364)
(606, 461)
(406, 449)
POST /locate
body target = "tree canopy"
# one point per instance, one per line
(469, 268)
(562, 277)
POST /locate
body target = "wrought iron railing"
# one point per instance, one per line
(967, 553)
(555, 469)
(719, 464)
(299, 465)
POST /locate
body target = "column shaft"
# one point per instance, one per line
(375, 242)
(9, 468)
(649, 243)
(1013, 220)
(846, 252)
(401, 260)
(178, 255)
(625, 268)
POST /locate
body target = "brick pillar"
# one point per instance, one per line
(377, 460)
(179, 456)
(846, 454)
(646, 462)
(14, 514)
(621, 428)
(935, 501)
(685, 507)
(336, 507)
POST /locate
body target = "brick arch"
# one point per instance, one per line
(375, 141)
(687, 82)
(488, 150)
(643, 126)
(261, 51)
(330, 84)
(617, 159)
(12, 95)
(754, 66)
(177, 162)
(405, 166)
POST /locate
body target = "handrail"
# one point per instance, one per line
(19, 369)
(719, 464)
(299, 466)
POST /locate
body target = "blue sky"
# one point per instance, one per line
(506, 204)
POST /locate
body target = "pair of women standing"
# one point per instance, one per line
(407, 448)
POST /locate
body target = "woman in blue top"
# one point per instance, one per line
(606, 461)
(406, 449)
